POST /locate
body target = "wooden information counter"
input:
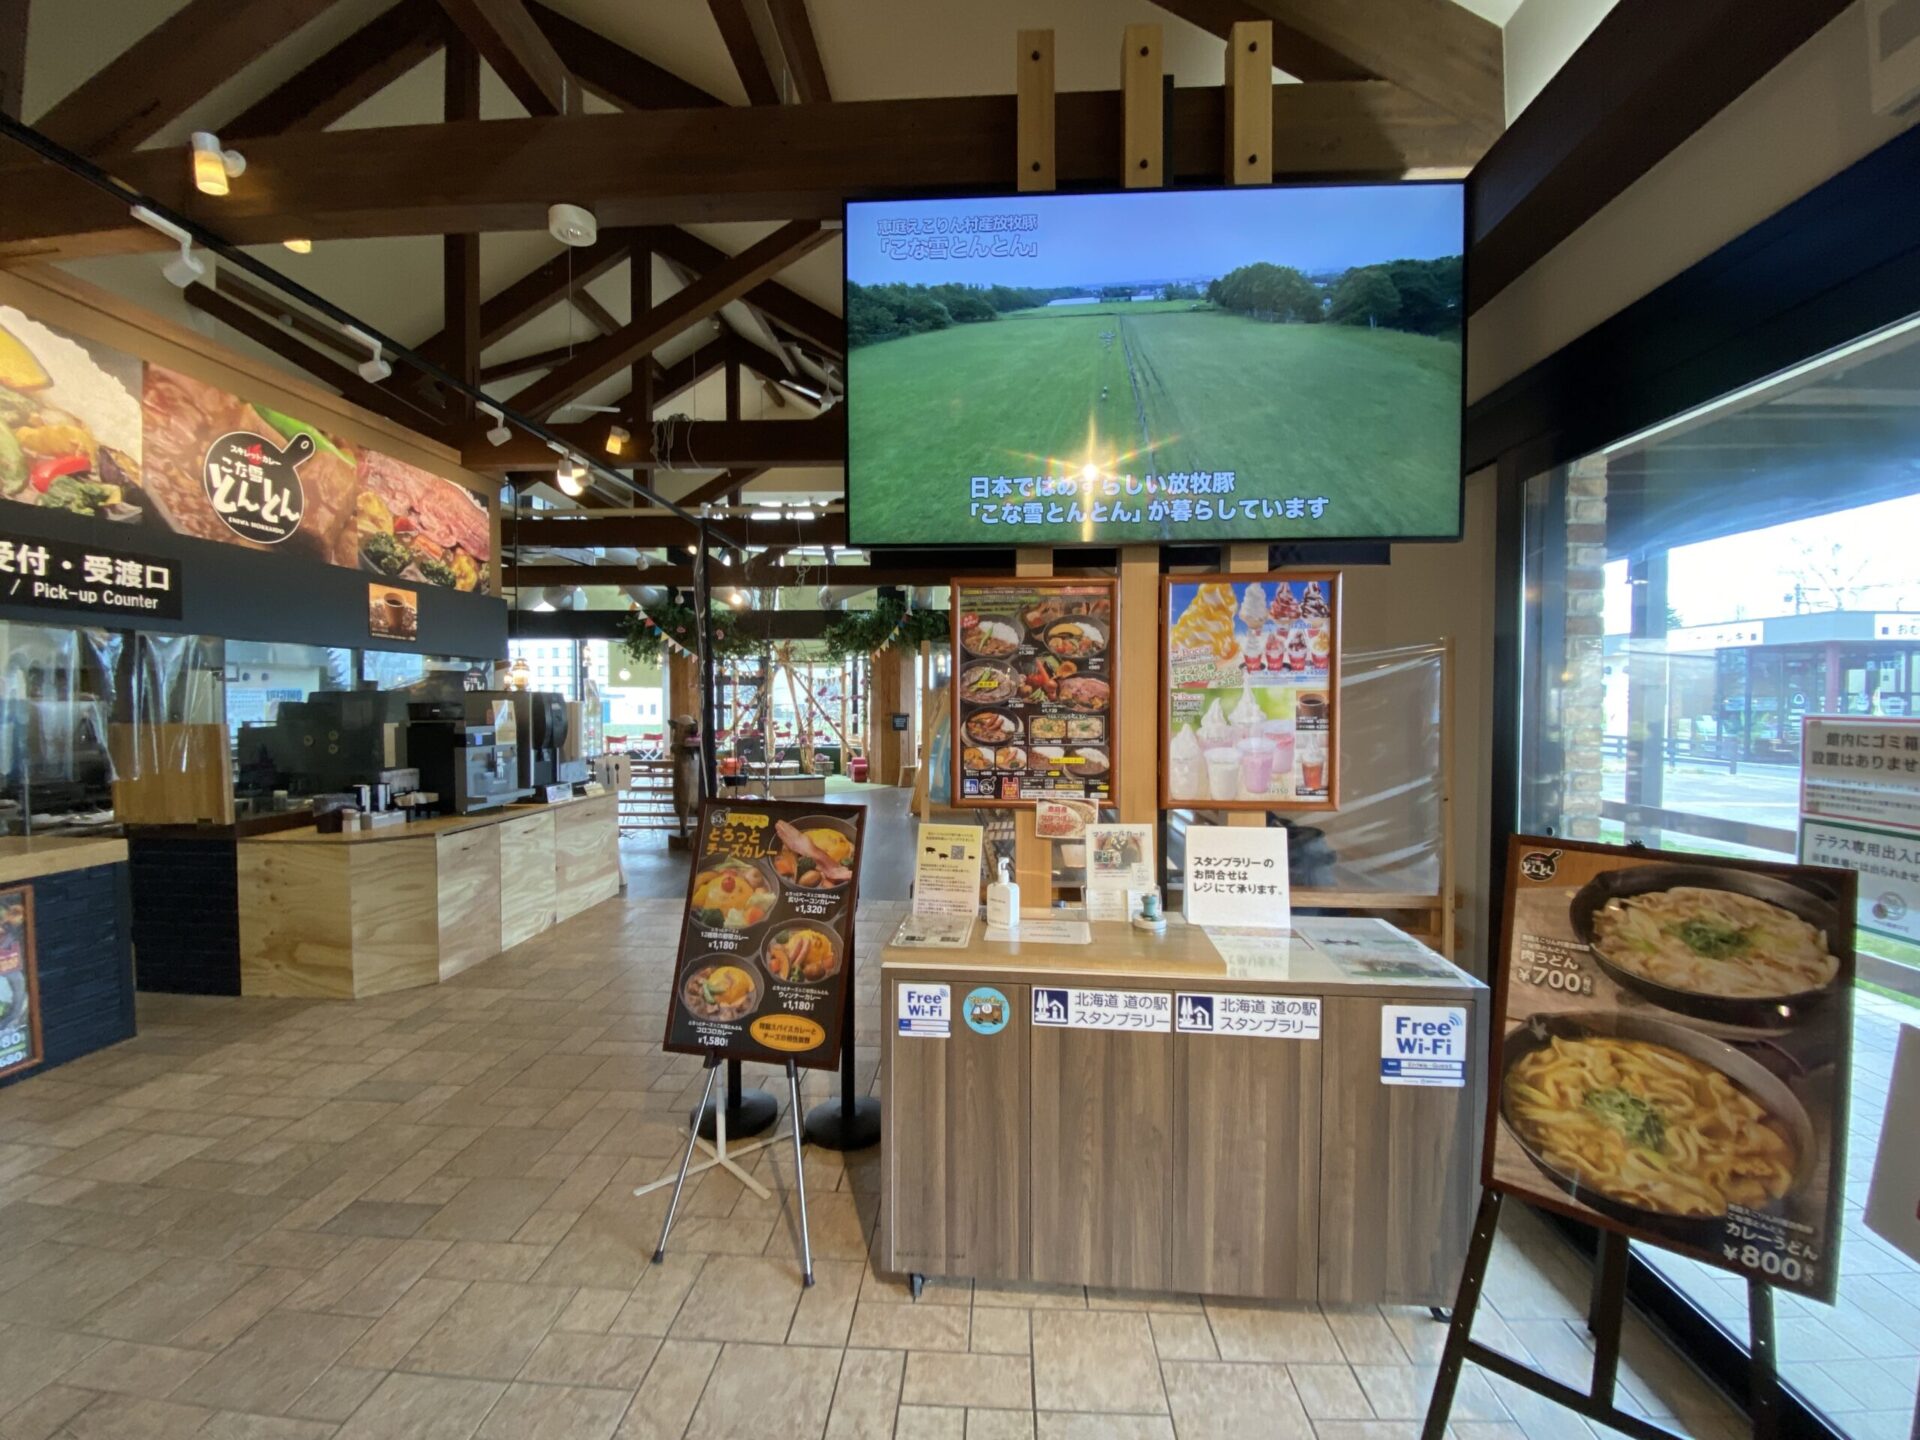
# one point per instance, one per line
(368, 911)
(1219, 1164)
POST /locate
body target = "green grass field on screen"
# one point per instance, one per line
(1367, 418)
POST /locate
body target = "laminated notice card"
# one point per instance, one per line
(935, 932)
(946, 870)
(1236, 876)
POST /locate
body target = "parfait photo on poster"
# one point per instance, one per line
(1253, 677)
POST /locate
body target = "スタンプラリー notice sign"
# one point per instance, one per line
(766, 946)
(1236, 877)
(1644, 1002)
(19, 983)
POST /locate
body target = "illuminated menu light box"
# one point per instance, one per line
(1279, 363)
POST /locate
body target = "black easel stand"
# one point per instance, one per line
(749, 1112)
(853, 1121)
(1604, 1314)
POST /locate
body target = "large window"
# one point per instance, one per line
(1692, 596)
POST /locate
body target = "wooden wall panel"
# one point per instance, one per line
(1101, 1157)
(1246, 1166)
(396, 919)
(296, 921)
(526, 878)
(956, 1146)
(469, 900)
(1399, 1166)
(586, 855)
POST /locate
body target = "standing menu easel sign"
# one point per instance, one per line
(1034, 691)
(766, 945)
(1672, 1061)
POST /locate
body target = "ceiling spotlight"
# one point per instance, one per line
(617, 438)
(375, 368)
(499, 434)
(187, 267)
(693, 549)
(299, 247)
(572, 224)
(571, 477)
(764, 515)
(212, 166)
(737, 599)
(726, 557)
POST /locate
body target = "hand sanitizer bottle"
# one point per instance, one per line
(1003, 900)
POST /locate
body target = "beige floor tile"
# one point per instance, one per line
(73, 1283)
(336, 1394)
(232, 1317)
(929, 1422)
(152, 1371)
(617, 1362)
(737, 1297)
(999, 1425)
(1282, 1333)
(674, 1384)
(866, 1396)
(123, 1417)
(500, 1154)
(386, 1219)
(825, 1313)
(882, 1289)
(266, 1369)
(31, 1357)
(423, 1407)
(753, 1383)
(386, 1344)
(555, 1412)
(1365, 1338)
(656, 1300)
(1401, 1392)
(169, 1300)
(1410, 1430)
(987, 1382)
(488, 1209)
(490, 1260)
(914, 1327)
(230, 1425)
(1183, 1337)
(1032, 1295)
(1056, 1425)
(998, 1332)
(1330, 1392)
(592, 1311)
(1098, 1299)
(41, 1415)
(490, 1331)
(1095, 1361)
(1227, 1402)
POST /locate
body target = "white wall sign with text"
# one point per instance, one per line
(1149, 1012)
(1236, 877)
(925, 1009)
(1423, 1045)
(1271, 1017)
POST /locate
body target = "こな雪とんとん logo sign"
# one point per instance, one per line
(254, 484)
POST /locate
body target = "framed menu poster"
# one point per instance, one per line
(19, 983)
(1034, 691)
(1671, 1051)
(766, 944)
(1253, 692)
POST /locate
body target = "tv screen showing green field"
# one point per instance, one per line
(1155, 367)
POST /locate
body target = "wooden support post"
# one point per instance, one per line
(1034, 86)
(1143, 105)
(1249, 157)
(1247, 560)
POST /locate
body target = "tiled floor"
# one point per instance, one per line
(410, 1217)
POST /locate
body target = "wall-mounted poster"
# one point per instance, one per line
(69, 421)
(393, 613)
(766, 945)
(19, 983)
(1034, 692)
(1672, 1053)
(1253, 692)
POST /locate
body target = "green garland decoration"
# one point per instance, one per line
(653, 630)
(890, 622)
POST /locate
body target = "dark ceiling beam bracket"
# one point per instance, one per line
(352, 72)
(743, 48)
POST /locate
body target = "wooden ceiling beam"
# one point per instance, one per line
(692, 445)
(540, 289)
(460, 250)
(679, 166)
(359, 67)
(1304, 59)
(650, 532)
(595, 314)
(802, 51)
(717, 488)
(519, 52)
(324, 368)
(614, 73)
(723, 284)
(322, 332)
(743, 48)
(150, 84)
(780, 304)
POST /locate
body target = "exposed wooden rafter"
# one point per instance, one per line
(778, 303)
(743, 48)
(460, 251)
(323, 333)
(614, 73)
(593, 312)
(600, 358)
(540, 289)
(802, 51)
(674, 166)
(718, 488)
(519, 52)
(129, 99)
(689, 445)
(13, 55)
(355, 70)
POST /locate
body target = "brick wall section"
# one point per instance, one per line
(1583, 688)
(186, 906)
(81, 927)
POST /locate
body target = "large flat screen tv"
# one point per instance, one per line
(1155, 366)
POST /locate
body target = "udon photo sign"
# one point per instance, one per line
(1253, 692)
(1672, 1059)
(766, 945)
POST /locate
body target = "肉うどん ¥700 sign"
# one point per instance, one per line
(766, 947)
(1672, 1048)
(95, 432)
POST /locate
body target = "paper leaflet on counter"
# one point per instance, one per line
(946, 888)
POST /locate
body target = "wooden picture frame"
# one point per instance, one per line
(30, 975)
(1107, 589)
(1332, 585)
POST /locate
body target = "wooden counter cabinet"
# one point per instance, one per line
(1217, 1164)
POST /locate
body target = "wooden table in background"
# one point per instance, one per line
(1210, 1164)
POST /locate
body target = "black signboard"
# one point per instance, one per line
(766, 945)
(70, 575)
